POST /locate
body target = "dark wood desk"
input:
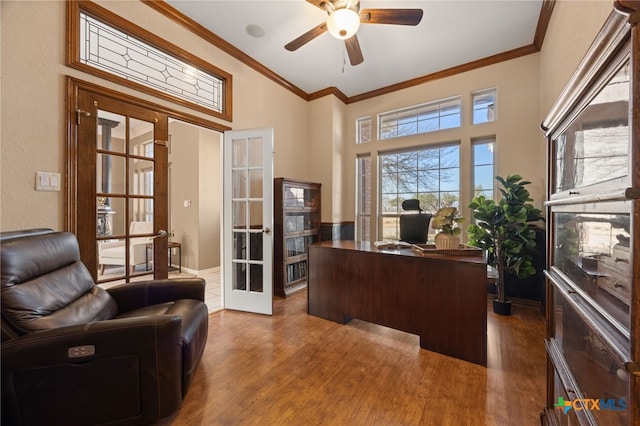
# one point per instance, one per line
(443, 299)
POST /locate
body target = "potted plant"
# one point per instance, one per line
(503, 230)
(447, 220)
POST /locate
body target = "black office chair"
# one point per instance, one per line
(414, 227)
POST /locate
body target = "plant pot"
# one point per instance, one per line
(446, 241)
(502, 308)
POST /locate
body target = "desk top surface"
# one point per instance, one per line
(365, 246)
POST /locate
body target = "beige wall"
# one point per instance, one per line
(313, 141)
(572, 29)
(33, 103)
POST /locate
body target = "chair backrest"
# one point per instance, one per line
(414, 227)
(44, 284)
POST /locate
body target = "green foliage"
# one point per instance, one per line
(502, 229)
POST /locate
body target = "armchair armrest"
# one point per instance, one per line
(139, 294)
(111, 370)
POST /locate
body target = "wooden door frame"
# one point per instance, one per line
(73, 205)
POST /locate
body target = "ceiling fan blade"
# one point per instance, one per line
(354, 51)
(306, 37)
(321, 4)
(391, 16)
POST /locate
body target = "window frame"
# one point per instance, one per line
(483, 141)
(359, 125)
(363, 218)
(382, 215)
(405, 114)
(74, 10)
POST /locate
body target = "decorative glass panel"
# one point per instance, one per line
(108, 49)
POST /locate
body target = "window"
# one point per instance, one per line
(439, 115)
(432, 175)
(483, 176)
(484, 106)
(363, 130)
(104, 44)
(363, 201)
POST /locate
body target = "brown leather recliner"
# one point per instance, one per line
(76, 354)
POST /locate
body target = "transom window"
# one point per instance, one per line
(484, 106)
(432, 175)
(429, 117)
(104, 44)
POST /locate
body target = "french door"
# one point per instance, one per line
(119, 208)
(248, 220)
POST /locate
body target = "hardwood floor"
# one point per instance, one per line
(296, 369)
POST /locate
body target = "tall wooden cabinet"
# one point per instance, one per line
(296, 225)
(593, 215)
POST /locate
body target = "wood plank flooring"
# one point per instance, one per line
(296, 369)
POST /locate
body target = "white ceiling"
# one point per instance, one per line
(451, 33)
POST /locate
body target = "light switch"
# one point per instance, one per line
(47, 181)
(187, 203)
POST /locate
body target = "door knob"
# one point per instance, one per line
(266, 230)
(161, 233)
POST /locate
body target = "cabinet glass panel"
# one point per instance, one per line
(298, 246)
(568, 416)
(300, 197)
(299, 221)
(594, 251)
(598, 374)
(296, 271)
(595, 146)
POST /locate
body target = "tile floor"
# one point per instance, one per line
(212, 276)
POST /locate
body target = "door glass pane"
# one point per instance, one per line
(110, 174)
(140, 177)
(111, 256)
(255, 246)
(104, 217)
(255, 278)
(255, 183)
(255, 212)
(239, 147)
(239, 214)
(239, 276)
(111, 132)
(255, 152)
(239, 183)
(141, 138)
(239, 245)
(141, 210)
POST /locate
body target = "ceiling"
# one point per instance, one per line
(452, 33)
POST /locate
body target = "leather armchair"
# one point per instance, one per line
(76, 354)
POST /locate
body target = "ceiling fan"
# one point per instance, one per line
(344, 20)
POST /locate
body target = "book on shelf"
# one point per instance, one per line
(391, 244)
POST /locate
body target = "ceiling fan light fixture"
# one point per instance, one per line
(343, 23)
